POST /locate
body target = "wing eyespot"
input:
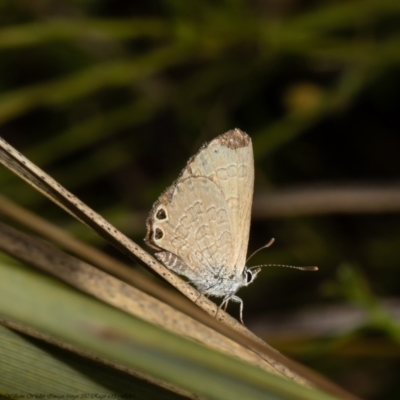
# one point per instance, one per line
(161, 214)
(158, 234)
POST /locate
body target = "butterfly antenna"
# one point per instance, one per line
(286, 266)
(263, 247)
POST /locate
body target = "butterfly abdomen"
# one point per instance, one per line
(172, 261)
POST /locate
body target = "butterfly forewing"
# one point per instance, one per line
(228, 161)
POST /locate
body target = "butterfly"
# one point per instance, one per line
(200, 225)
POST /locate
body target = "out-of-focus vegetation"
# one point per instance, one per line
(111, 98)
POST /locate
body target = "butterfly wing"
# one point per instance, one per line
(204, 217)
(195, 226)
(228, 161)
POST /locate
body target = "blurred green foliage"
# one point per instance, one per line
(111, 98)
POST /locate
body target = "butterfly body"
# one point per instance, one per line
(222, 283)
(201, 223)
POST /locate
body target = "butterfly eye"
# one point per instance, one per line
(161, 214)
(158, 233)
(249, 276)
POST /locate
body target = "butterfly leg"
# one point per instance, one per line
(239, 300)
(223, 305)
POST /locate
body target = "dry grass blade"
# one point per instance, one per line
(119, 294)
(47, 305)
(53, 190)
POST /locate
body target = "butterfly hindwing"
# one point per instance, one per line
(196, 229)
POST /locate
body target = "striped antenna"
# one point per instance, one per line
(286, 266)
(263, 247)
(278, 265)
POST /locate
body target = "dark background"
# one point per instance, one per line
(111, 99)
